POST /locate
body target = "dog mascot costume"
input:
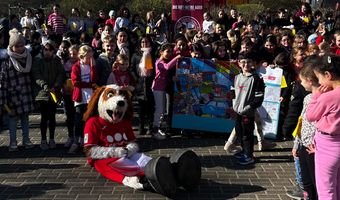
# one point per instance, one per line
(110, 147)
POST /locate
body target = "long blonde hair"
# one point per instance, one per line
(84, 50)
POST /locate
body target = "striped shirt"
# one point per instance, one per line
(58, 23)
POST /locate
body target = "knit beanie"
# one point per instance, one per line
(15, 38)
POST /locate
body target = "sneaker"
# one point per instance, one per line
(52, 144)
(296, 193)
(159, 135)
(28, 144)
(232, 148)
(13, 147)
(265, 144)
(43, 145)
(73, 149)
(238, 155)
(68, 143)
(246, 160)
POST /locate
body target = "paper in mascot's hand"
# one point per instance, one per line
(131, 166)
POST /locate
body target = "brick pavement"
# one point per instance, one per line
(33, 174)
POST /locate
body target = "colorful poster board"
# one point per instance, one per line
(203, 100)
(270, 109)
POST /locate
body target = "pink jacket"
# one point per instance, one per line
(162, 79)
(325, 110)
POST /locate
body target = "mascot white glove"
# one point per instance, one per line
(133, 182)
(132, 148)
(97, 152)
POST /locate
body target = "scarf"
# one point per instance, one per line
(124, 48)
(145, 65)
(14, 57)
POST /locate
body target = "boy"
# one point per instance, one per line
(249, 93)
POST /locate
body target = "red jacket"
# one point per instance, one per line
(78, 83)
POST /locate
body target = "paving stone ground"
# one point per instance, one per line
(54, 174)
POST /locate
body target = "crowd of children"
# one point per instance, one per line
(48, 59)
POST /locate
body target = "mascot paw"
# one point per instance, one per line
(132, 182)
(132, 148)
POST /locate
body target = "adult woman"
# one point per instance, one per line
(15, 86)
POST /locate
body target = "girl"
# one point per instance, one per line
(123, 42)
(83, 77)
(208, 23)
(324, 108)
(220, 51)
(310, 82)
(120, 74)
(48, 74)
(159, 85)
(67, 94)
(142, 63)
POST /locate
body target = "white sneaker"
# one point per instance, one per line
(52, 144)
(265, 144)
(73, 149)
(13, 147)
(159, 135)
(68, 143)
(43, 145)
(232, 148)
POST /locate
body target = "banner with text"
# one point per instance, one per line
(188, 13)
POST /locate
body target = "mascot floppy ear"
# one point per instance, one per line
(129, 112)
(92, 107)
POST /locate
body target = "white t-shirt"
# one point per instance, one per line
(86, 93)
(208, 26)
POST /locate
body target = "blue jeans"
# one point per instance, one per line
(12, 126)
(298, 176)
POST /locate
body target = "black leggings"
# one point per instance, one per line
(79, 122)
(48, 110)
(69, 111)
(308, 172)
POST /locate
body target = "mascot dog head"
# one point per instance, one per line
(111, 103)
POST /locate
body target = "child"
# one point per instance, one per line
(67, 94)
(219, 51)
(159, 85)
(83, 76)
(120, 74)
(324, 108)
(310, 82)
(49, 76)
(208, 23)
(249, 94)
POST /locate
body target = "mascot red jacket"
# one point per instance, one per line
(111, 148)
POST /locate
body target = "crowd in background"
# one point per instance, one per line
(49, 59)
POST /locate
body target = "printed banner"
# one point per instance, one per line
(188, 13)
(270, 109)
(203, 100)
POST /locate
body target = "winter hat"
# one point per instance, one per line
(15, 38)
(312, 38)
(112, 13)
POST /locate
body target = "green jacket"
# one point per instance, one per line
(47, 74)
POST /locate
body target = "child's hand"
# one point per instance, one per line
(324, 89)
(311, 148)
(178, 56)
(294, 153)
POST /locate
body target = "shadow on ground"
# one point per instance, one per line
(27, 191)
